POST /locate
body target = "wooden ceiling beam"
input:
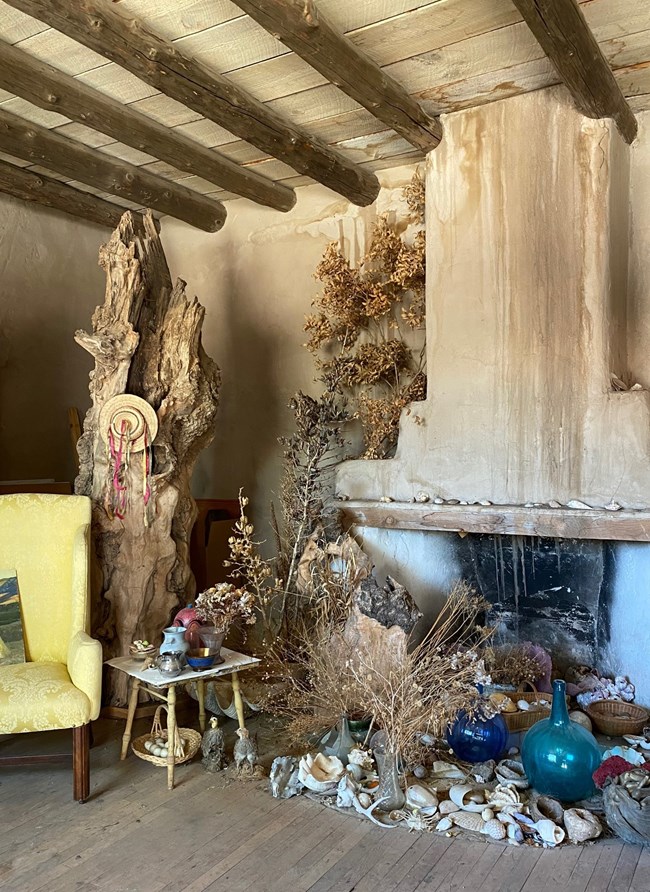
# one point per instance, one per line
(129, 43)
(51, 89)
(30, 186)
(301, 27)
(70, 158)
(563, 33)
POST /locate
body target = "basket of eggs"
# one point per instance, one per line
(154, 747)
(521, 709)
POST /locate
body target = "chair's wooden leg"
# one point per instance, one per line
(81, 762)
(239, 703)
(200, 691)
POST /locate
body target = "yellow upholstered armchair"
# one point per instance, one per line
(46, 539)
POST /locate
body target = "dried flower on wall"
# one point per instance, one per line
(367, 334)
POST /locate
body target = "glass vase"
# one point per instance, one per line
(476, 738)
(560, 756)
(338, 741)
(389, 789)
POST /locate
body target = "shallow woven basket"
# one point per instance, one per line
(190, 739)
(520, 720)
(616, 718)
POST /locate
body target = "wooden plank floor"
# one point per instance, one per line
(216, 833)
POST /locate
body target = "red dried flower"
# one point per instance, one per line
(611, 768)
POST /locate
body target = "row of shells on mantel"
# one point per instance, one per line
(424, 497)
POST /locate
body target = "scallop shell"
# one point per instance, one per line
(546, 807)
(468, 821)
(320, 773)
(460, 794)
(510, 771)
(549, 832)
(494, 829)
(444, 824)
(504, 795)
(417, 796)
(581, 824)
(447, 807)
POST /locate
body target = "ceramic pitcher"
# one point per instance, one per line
(174, 640)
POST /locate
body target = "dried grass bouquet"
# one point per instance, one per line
(223, 604)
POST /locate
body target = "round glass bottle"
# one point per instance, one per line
(560, 756)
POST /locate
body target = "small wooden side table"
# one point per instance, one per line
(157, 684)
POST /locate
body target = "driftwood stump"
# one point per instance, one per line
(146, 340)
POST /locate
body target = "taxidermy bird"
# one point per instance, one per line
(212, 747)
(245, 753)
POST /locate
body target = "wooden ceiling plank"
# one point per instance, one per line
(306, 31)
(564, 35)
(30, 186)
(101, 27)
(50, 89)
(40, 146)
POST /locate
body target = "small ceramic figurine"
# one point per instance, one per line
(212, 747)
(245, 754)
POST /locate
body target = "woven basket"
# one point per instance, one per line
(523, 720)
(616, 718)
(189, 739)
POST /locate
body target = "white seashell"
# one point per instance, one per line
(554, 504)
(452, 502)
(514, 833)
(513, 751)
(581, 718)
(483, 772)
(484, 502)
(581, 824)
(447, 807)
(418, 796)
(460, 794)
(355, 771)
(504, 795)
(444, 824)
(160, 741)
(365, 800)
(438, 501)
(148, 744)
(494, 829)
(468, 821)
(320, 773)
(420, 772)
(487, 814)
(576, 503)
(386, 499)
(358, 756)
(463, 502)
(529, 504)
(346, 792)
(422, 497)
(524, 705)
(549, 832)
(613, 506)
(156, 750)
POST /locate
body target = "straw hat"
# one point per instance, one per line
(138, 415)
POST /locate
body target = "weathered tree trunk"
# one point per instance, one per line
(146, 340)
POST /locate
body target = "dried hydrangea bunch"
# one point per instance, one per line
(511, 664)
(367, 334)
(222, 604)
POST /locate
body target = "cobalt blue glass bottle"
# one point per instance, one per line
(560, 756)
(477, 739)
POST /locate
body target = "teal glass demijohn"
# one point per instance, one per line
(559, 755)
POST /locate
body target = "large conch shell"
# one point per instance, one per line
(466, 797)
(320, 773)
(549, 832)
(581, 824)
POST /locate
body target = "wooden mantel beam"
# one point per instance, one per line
(129, 43)
(70, 158)
(301, 27)
(30, 186)
(51, 89)
(563, 33)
